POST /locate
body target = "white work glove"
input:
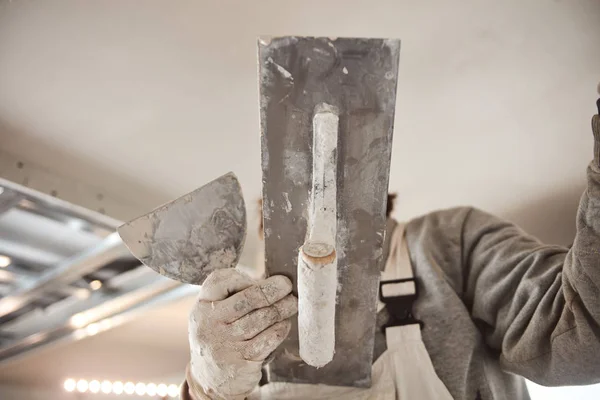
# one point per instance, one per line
(235, 325)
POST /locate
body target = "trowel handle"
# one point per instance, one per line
(317, 259)
(323, 203)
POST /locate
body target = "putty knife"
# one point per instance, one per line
(327, 111)
(188, 238)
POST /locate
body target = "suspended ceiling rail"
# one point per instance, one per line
(50, 206)
(116, 310)
(65, 273)
(80, 280)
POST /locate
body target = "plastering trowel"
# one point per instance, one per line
(327, 112)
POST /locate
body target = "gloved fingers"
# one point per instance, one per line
(259, 347)
(221, 283)
(260, 295)
(257, 321)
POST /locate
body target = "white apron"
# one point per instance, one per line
(403, 372)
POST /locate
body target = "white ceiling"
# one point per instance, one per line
(152, 99)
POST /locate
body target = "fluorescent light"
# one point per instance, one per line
(94, 386)
(70, 385)
(4, 261)
(95, 285)
(82, 386)
(140, 389)
(129, 388)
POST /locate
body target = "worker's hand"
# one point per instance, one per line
(235, 325)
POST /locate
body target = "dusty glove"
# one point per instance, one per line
(235, 325)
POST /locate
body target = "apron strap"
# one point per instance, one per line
(398, 266)
(414, 374)
(398, 289)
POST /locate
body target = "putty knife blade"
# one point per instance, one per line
(188, 238)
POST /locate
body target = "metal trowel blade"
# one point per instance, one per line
(358, 77)
(191, 236)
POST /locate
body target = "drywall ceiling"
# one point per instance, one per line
(152, 99)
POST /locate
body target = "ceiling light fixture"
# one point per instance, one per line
(118, 387)
(70, 385)
(173, 391)
(82, 386)
(92, 329)
(151, 389)
(94, 386)
(162, 390)
(140, 389)
(106, 387)
(4, 261)
(79, 320)
(129, 388)
(95, 284)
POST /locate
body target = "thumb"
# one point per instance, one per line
(222, 283)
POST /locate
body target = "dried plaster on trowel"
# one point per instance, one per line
(317, 261)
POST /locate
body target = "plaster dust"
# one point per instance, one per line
(317, 262)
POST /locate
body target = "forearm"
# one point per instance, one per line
(539, 304)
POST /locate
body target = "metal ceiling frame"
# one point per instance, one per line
(124, 295)
(111, 248)
(139, 301)
(14, 194)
